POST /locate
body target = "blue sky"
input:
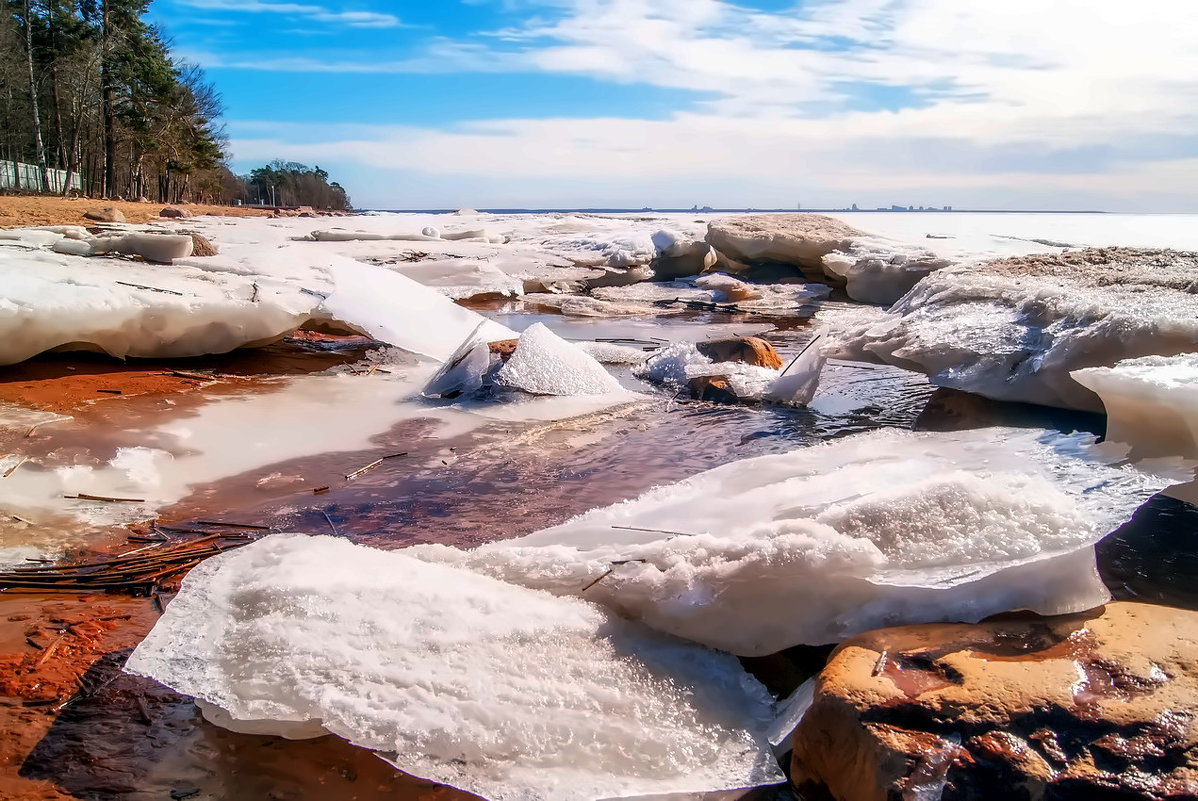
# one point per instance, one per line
(564, 103)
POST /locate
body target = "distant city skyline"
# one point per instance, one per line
(568, 103)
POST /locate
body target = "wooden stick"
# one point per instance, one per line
(151, 288)
(83, 496)
(655, 531)
(220, 524)
(13, 469)
(336, 533)
(610, 570)
(362, 470)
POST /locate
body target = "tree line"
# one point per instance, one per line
(89, 87)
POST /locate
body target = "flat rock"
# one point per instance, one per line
(746, 350)
(1088, 706)
(174, 212)
(712, 388)
(108, 214)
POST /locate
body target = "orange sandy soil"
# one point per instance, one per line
(18, 211)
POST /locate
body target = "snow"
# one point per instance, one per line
(546, 364)
(1014, 330)
(1151, 405)
(824, 542)
(495, 689)
(214, 305)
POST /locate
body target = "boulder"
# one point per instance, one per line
(797, 239)
(202, 247)
(107, 214)
(1095, 705)
(712, 388)
(746, 350)
(174, 213)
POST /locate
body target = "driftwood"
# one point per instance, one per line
(151, 288)
(138, 572)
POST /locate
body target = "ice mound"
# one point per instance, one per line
(498, 690)
(678, 364)
(1015, 329)
(545, 364)
(824, 542)
(874, 272)
(194, 307)
(1152, 405)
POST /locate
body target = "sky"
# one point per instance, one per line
(1033, 104)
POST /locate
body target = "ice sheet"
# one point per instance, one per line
(824, 542)
(509, 693)
(1014, 330)
(1152, 405)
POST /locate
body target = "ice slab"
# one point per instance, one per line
(674, 366)
(815, 545)
(545, 364)
(190, 308)
(1014, 329)
(1152, 405)
(502, 691)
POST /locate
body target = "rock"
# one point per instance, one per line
(108, 214)
(747, 350)
(504, 348)
(1096, 705)
(202, 247)
(174, 212)
(797, 239)
(712, 388)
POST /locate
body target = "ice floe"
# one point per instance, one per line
(1015, 329)
(214, 305)
(513, 694)
(1152, 405)
(824, 542)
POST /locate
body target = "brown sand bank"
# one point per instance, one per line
(20, 211)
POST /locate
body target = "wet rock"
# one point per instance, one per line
(1097, 705)
(711, 388)
(202, 247)
(107, 214)
(503, 348)
(174, 213)
(746, 350)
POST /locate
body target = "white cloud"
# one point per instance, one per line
(352, 19)
(1062, 100)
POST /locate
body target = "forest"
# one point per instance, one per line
(89, 88)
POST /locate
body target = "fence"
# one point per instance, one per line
(31, 177)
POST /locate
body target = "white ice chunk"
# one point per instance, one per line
(799, 380)
(546, 364)
(464, 370)
(395, 309)
(815, 545)
(509, 693)
(160, 248)
(1151, 405)
(1014, 329)
(611, 353)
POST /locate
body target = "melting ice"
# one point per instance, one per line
(815, 545)
(506, 692)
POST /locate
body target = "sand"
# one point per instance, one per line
(26, 210)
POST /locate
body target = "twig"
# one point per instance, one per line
(336, 533)
(195, 376)
(219, 524)
(82, 496)
(13, 469)
(151, 288)
(880, 665)
(20, 519)
(610, 570)
(362, 470)
(806, 348)
(321, 490)
(655, 531)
